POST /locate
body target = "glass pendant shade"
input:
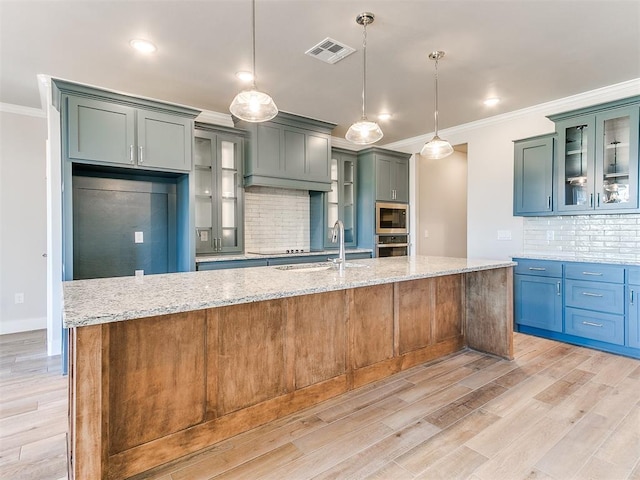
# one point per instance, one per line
(436, 149)
(253, 105)
(364, 132)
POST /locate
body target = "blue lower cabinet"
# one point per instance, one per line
(633, 319)
(538, 302)
(224, 264)
(604, 327)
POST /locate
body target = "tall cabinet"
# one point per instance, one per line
(383, 175)
(337, 204)
(218, 159)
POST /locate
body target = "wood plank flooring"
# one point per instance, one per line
(556, 412)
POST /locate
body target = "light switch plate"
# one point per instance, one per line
(139, 237)
(204, 236)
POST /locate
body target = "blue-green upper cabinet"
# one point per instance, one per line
(390, 172)
(106, 128)
(533, 176)
(597, 158)
(289, 151)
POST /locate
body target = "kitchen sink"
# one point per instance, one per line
(315, 267)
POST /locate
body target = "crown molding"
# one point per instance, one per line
(20, 110)
(586, 99)
(215, 118)
(341, 142)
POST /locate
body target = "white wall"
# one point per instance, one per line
(441, 204)
(23, 221)
(490, 166)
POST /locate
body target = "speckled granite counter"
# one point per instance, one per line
(578, 258)
(91, 302)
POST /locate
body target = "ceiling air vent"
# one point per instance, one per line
(330, 51)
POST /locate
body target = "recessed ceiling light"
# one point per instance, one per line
(143, 46)
(384, 116)
(245, 76)
(490, 102)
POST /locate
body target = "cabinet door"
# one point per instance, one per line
(229, 197)
(100, 131)
(633, 334)
(616, 184)
(576, 161)
(317, 157)
(267, 151)
(401, 187)
(294, 153)
(348, 198)
(533, 177)
(385, 178)
(164, 141)
(205, 163)
(538, 302)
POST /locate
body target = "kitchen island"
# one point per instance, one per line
(162, 366)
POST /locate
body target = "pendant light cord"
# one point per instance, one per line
(364, 67)
(435, 113)
(253, 39)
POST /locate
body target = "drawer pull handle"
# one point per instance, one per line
(591, 324)
(589, 294)
(593, 274)
(558, 288)
(538, 269)
(131, 154)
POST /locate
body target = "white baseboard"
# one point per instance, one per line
(22, 325)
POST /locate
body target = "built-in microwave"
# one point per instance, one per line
(392, 218)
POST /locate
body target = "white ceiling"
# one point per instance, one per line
(524, 51)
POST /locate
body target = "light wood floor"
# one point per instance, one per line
(556, 412)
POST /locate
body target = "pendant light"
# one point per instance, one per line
(436, 148)
(364, 132)
(252, 105)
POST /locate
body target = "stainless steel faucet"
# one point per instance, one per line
(338, 236)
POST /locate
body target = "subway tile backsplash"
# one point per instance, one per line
(276, 219)
(614, 237)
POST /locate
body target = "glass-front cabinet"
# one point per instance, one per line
(337, 204)
(218, 191)
(598, 161)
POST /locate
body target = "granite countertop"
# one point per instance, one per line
(253, 256)
(577, 258)
(97, 301)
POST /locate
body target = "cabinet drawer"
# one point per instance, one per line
(604, 327)
(633, 275)
(594, 272)
(542, 268)
(605, 297)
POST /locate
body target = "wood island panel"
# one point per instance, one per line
(449, 307)
(415, 314)
(251, 354)
(371, 320)
(156, 372)
(150, 390)
(320, 334)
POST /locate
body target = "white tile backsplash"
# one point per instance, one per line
(276, 219)
(612, 237)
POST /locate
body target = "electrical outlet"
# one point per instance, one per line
(550, 235)
(18, 298)
(139, 273)
(138, 237)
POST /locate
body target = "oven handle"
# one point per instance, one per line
(382, 245)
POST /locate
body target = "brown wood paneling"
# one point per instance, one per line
(414, 314)
(489, 311)
(156, 377)
(371, 325)
(87, 434)
(211, 370)
(320, 336)
(251, 364)
(163, 450)
(448, 307)
(432, 352)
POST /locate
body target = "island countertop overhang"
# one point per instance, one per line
(98, 301)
